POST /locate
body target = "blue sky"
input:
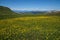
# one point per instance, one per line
(31, 4)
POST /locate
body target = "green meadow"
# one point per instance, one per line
(30, 28)
(14, 26)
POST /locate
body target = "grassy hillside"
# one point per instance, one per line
(6, 13)
(28, 27)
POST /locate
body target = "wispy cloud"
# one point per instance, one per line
(32, 9)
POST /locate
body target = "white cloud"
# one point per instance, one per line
(32, 9)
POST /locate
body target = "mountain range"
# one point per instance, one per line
(6, 12)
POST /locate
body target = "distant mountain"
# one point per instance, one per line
(29, 12)
(6, 12)
(21, 11)
(54, 13)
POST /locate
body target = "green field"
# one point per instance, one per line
(30, 28)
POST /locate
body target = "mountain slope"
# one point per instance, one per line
(6, 12)
(56, 13)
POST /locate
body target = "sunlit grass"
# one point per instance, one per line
(30, 28)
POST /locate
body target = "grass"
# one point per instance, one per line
(30, 28)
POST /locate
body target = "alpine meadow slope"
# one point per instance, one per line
(6, 12)
(15, 26)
